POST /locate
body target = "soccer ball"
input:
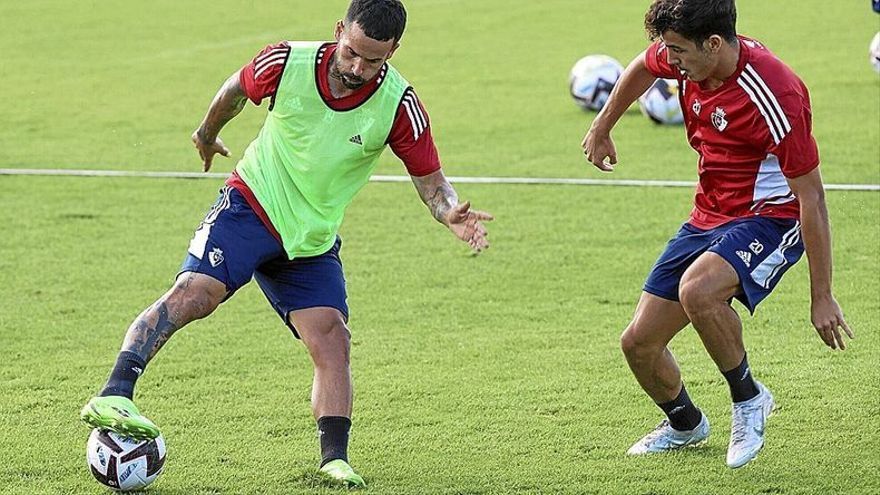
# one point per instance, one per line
(660, 102)
(591, 80)
(123, 463)
(875, 52)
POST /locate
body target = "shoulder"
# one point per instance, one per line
(389, 73)
(281, 47)
(764, 70)
(411, 114)
(410, 102)
(770, 83)
(270, 56)
(775, 93)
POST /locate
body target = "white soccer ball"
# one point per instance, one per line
(875, 52)
(591, 80)
(660, 103)
(123, 463)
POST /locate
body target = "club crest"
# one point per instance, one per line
(215, 257)
(719, 119)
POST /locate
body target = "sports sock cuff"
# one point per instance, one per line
(682, 413)
(128, 368)
(742, 385)
(333, 435)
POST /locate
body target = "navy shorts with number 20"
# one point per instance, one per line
(233, 245)
(760, 249)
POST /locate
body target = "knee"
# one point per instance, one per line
(633, 344)
(329, 343)
(695, 296)
(195, 297)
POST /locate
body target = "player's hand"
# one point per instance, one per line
(599, 150)
(828, 319)
(208, 150)
(467, 225)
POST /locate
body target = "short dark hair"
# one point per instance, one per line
(695, 20)
(380, 19)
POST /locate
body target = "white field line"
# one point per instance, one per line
(405, 178)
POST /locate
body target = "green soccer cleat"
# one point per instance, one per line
(340, 472)
(119, 415)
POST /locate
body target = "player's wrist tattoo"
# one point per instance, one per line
(440, 200)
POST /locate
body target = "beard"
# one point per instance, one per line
(348, 80)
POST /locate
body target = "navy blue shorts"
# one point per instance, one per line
(760, 249)
(233, 245)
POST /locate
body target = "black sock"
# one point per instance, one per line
(682, 413)
(742, 385)
(333, 433)
(129, 366)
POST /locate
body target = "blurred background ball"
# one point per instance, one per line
(660, 103)
(591, 80)
(875, 52)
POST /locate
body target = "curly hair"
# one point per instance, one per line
(695, 20)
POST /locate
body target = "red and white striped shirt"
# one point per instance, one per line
(751, 133)
(410, 138)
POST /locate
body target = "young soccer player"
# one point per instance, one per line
(759, 203)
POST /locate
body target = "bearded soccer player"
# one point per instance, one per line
(759, 203)
(333, 108)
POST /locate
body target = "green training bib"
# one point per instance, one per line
(309, 161)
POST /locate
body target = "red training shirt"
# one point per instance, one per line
(751, 133)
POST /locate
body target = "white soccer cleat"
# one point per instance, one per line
(747, 430)
(665, 438)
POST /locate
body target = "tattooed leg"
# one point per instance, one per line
(193, 296)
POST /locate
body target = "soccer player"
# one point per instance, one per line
(333, 108)
(759, 203)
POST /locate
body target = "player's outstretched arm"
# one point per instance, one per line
(826, 314)
(440, 198)
(598, 145)
(228, 102)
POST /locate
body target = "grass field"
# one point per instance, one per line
(474, 375)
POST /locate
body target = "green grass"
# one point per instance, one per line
(474, 375)
(122, 85)
(492, 374)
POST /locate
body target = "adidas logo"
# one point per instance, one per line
(746, 257)
(356, 139)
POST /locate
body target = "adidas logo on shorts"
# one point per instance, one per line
(746, 257)
(356, 139)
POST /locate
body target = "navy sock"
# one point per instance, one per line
(129, 366)
(333, 433)
(682, 413)
(742, 385)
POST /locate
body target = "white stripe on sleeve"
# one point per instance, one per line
(417, 119)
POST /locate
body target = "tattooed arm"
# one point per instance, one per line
(227, 104)
(440, 198)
